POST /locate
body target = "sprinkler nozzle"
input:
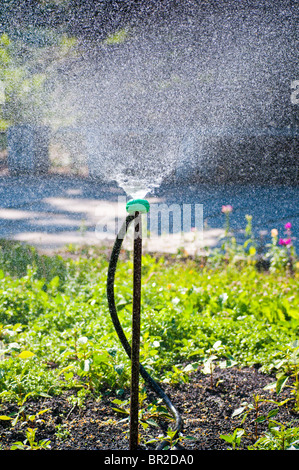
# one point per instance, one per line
(137, 205)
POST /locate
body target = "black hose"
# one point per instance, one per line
(123, 339)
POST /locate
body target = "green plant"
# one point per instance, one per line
(180, 374)
(278, 437)
(62, 433)
(27, 70)
(281, 252)
(78, 399)
(214, 353)
(172, 439)
(30, 442)
(63, 319)
(234, 438)
(22, 414)
(18, 259)
(288, 369)
(149, 413)
(254, 408)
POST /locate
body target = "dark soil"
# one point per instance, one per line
(206, 411)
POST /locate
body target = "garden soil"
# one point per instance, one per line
(206, 407)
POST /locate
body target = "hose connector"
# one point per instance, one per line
(137, 205)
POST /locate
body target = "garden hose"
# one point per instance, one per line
(119, 330)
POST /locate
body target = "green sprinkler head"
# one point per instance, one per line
(137, 205)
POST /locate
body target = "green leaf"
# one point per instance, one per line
(272, 413)
(152, 422)
(121, 305)
(271, 386)
(281, 383)
(5, 418)
(144, 424)
(43, 411)
(238, 411)
(191, 367)
(17, 445)
(118, 402)
(26, 355)
(121, 410)
(68, 375)
(119, 368)
(227, 437)
(65, 369)
(261, 419)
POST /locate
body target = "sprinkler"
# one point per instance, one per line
(135, 209)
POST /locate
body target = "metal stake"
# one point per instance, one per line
(134, 405)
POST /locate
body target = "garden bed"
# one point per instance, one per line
(206, 411)
(213, 340)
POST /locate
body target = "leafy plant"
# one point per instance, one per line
(21, 414)
(209, 365)
(27, 69)
(288, 371)
(234, 438)
(193, 313)
(172, 439)
(278, 437)
(149, 413)
(254, 408)
(180, 374)
(62, 433)
(30, 442)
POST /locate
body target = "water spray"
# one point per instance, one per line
(135, 209)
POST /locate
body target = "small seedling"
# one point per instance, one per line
(278, 437)
(148, 413)
(30, 443)
(213, 353)
(181, 374)
(254, 408)
(172, 439)
(21, 414)
(62, 432)
(288, 369)
(234, 438)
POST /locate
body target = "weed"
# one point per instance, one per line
(149, 413)
(288, 370)
(278, 437)
(62, 433)
(30, 442)
(172, 439)
(234, 438)
(254, 409)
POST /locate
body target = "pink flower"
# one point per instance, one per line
(226, 209)
(285, 241)
(288, 226)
